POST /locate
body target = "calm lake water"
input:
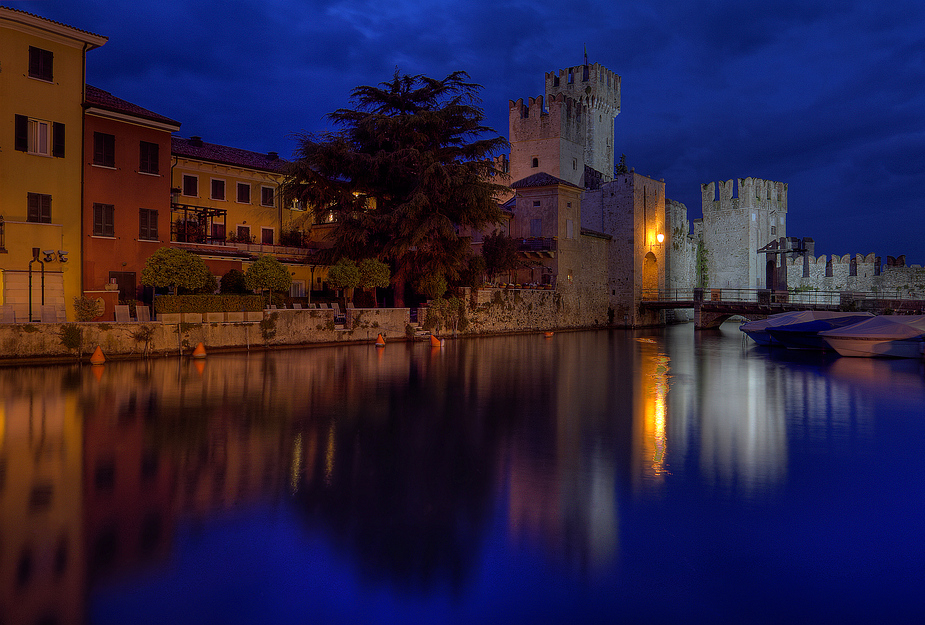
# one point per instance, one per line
(658, 477)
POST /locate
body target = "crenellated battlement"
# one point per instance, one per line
(593, 85)
(751, 193)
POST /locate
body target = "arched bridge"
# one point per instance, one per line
(714, 306)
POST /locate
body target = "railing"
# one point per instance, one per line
(769, 296)
(537, 244)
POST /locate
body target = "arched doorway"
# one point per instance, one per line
(770, 273)
(650, 277)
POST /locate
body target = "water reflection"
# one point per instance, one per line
(404, 459)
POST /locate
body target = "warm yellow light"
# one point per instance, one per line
(660, 237)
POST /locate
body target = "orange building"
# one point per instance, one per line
(126, 196)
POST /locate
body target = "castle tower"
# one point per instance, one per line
(598, 89)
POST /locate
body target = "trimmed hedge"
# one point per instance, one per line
(208, 303)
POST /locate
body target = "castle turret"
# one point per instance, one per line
(598, 89)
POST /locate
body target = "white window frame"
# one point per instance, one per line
(39, 137)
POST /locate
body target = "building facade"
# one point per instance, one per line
(126, 194)
(41, 114)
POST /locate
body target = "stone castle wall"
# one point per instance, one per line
(860, 273)
(554, 135)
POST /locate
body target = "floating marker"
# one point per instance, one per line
(200, 351)
(435, 342)
(97, 358)
(380, 342)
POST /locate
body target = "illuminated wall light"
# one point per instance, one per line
(660, 237)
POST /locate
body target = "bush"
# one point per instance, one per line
(233, 282)
(88, 308)
(207, 303)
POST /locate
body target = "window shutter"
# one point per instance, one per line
(152, 225)
(21, 142)
(32, 207)
(97, 219)
(57, 140)
(109, 217)
(46, 209)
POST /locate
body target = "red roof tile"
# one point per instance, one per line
(195, 147)
(105, 100)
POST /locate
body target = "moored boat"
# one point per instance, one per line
(889, 336)
(805, 335)
(758, 330)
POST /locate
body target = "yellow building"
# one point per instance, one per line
(41, 97)
(227, 208)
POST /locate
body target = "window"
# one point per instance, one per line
(773, 230)
(40, 64)
(244, 234)
(569, 229)
(244, 193)
(39, 209)
(218, 189)
(536, 202)
(190, 185)
(36, 136)
(147, 224)
(126, 282)
(218, 232)
(148, 161)
(266, 196)
(536, 227)
(103, 217)
(535, 163)
(266, 236)
(104, 149)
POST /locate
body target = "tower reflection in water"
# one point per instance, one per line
(402, 456)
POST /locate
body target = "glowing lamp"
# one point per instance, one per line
(660, 237)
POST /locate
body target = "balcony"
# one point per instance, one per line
(538, 247)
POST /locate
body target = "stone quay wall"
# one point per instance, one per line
(23, 342)
(488, 311)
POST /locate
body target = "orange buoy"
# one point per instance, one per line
(380, 342)
(548, 335)
(435, 342)
(200, 351)
(97, 358)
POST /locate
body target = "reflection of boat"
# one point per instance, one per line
(758, 330)
(805, 335)
(893, 336)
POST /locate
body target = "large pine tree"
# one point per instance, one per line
(410, 163)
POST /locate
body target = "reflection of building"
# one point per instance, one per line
(40, 159)
(41, 539)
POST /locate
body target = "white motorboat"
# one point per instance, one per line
(889, 336)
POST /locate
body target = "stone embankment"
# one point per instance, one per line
(487, 311)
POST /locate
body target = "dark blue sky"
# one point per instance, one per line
(826, 95)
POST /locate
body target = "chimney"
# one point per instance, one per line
(195, 142)
(272, 156)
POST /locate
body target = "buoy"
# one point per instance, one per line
(435, 342)
(380, 342)
(548, 335)
(200, 351)
(97, 358)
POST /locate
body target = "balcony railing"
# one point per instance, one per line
(537, 244)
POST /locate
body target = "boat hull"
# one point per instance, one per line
(876, 348)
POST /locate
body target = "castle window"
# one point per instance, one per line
(536, 202)
(575, 164)
(571, 77)
(40, 64)
(555, 81)
(584, 75)
(569, 229)
(773, 230)
(536, 162)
